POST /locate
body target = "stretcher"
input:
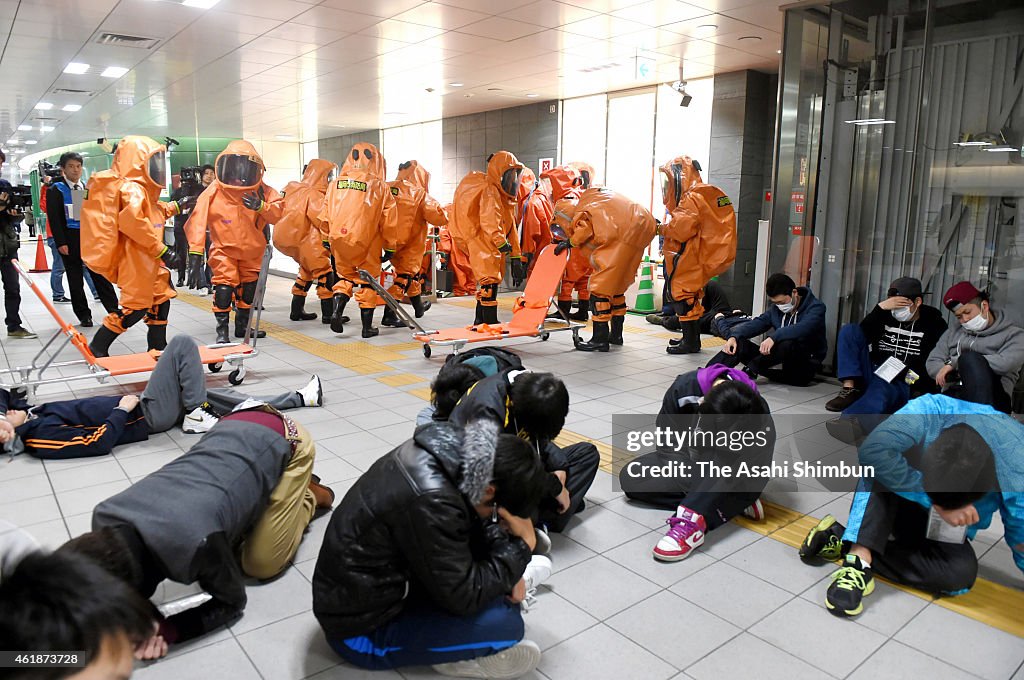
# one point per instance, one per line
(529, 315)
(44, 368)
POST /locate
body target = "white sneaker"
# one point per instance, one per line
(537, 572)
(313, 393)
(199, 420)
(755, 511)
(543, 546)
(514, 662)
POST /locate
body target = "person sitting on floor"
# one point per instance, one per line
(721, 398)
(715, 303)
(460, 372)
(881, 360)
(175, 395)
(795, 324)
(235, 505)
(424, 562)
(980, 358)
(939, 463)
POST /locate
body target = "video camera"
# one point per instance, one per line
(48, 170)
(18, 197)
(190, 175)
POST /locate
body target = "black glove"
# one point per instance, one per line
(170, 258)
(185, 204)
(252, 201)
(518, 271)
(505, 249)
(563, 245)
(195, 270)
(388, 254)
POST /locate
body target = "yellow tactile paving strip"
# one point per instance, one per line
(989, 603)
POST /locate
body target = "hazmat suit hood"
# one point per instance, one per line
(679, 176)
(504, 171)
(565, 211)
(563, 180)
(527, 183)
(415, 174)
(588, 176)
(365, 158)
(142, 160)
(318, 174)
(239, 166)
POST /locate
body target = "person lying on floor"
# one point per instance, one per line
(424, 561)
(235, 505)
(175, 395)
(940, 464)
(721, 398)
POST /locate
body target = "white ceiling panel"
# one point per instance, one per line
(441, 16)
(549, 14)
(500, 28)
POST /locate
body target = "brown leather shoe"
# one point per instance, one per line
(323, 495)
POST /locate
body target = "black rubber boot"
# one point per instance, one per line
(689, 343)
(390, 319)
(327, 310)
(100, 345)
(615, 335)
(242, 315)
(580, 314)
(599, 342)
(564, 307)
(299, 312)
(156, 337)
(222, 326)
(337, 314)
(490, 314)
(366, 315)
(419, 305)
(478, 317)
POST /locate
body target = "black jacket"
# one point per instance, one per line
(9, 239)
(910, 342)
(56, 218)
(407, 529)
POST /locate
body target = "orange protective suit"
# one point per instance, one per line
(297, 234)
(238, 236)
(463, 281)
(700, 237)
(123, 238)
(535, 213)
(415, 208)
(361, 220)
(566, 186)
(483, 225)
(588, 175)
(612, 232)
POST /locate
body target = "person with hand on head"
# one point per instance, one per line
(10, 241)
(980, 357)
(426, 559)
(795, 324)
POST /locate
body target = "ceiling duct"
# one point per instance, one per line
(125, 40)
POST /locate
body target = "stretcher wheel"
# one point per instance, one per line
(236, 376)
(545, 336)
(426, 350)
(215, 368)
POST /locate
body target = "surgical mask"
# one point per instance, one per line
(903, 314)
(976, 324)
(785, 307)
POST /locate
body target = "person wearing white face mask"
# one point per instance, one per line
(795, 336)
(978, 359)
(881, 360)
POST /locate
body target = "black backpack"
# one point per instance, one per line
(506, 358)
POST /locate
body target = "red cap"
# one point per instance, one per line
(960, 294)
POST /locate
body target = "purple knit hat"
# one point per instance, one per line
(706, 377)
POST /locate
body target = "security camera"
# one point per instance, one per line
(680, 87)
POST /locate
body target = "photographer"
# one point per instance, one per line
(66, 228)
(10, 218)
(193, 181)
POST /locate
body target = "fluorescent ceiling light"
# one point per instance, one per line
(31, 141)
(455, 84)
(114, 72)
(24, 128)
(200, 4)
(285, 138)
(972, 143)
(532, 95)
(72, 107)
(1002, 148)
(13, 141)
(748, 37)
(76, 68)
(871, 121)
(46, 128)
(44, 106)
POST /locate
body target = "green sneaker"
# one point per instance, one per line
(850, 584)
(20, 332)
(824, 542)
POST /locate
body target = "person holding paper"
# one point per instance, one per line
(942, 468)
(881, 360)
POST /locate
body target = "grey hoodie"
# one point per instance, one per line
(1002, 345)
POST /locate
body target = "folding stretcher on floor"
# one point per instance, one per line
(45, 369)
(529, 316)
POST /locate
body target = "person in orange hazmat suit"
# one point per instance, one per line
(566, 185)
(700, 243)
(123, 239)
(613, 232)
(415, 208)
(483, 225)
(535, 213)
(588, 176)
(297, 235)
(238, 209)
(361, 220)
(456, 261)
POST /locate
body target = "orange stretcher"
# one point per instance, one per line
(529, 315)
(45, 369)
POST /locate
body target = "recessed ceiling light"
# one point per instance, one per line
(72, 107)
(13, 141)
(1002, 148)
(76, 67)
(23, 128)
(114, 72)
(532, 95)
(707, 28)
(748, 37)
(44, 106)
(494, 89)
(285, 138)
(31, 141)
(778, 51)
(46, 128)
(200, 4)
(455, 84)
(954, 143)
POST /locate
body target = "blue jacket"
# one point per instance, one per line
(806, 323)
(919, 423)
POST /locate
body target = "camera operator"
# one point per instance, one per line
(10, 218)
(65, 226)
(193, 181)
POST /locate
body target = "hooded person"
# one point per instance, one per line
(700, 243)
(566, 185)
(415, 209)
(298, 236)
(237, 209)
(361, 220)
(122, 240)
(535, 213)
(483, 224)
(456, 261)
(612, 232)
(588, 176)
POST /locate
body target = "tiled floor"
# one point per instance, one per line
(744, 606)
